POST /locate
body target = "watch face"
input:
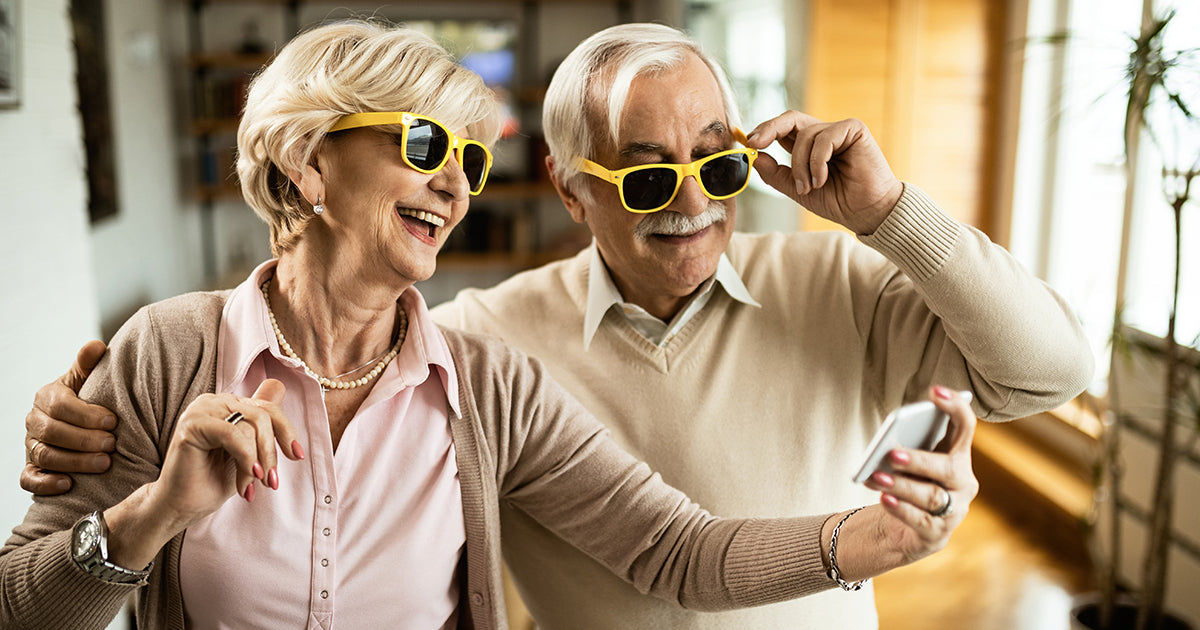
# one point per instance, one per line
(86, 537)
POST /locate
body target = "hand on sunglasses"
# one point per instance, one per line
(838, 171)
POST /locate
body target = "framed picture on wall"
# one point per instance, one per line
(9, 63)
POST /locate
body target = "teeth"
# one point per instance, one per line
(427, 217)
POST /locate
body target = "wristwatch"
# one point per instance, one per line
(89, 550)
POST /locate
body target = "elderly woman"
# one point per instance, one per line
(361, 145)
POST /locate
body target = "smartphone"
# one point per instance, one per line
(918, 425)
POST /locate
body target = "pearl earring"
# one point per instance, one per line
(318, 209)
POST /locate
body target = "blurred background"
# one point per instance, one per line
(117, 124)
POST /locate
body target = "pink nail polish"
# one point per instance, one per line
(273, 479)
(257, 470)
(899, 457)
(250, 492)
(883, 479)
(942, 392)
(297, 449)
(889, 500)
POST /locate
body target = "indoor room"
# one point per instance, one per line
(1063, 136)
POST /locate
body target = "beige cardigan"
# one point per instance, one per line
(521, 441)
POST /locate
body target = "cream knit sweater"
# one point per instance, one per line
(763, 411)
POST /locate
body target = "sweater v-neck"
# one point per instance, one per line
(663, 357)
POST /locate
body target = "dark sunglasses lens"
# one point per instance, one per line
(725, 175)
(648, 188)
(474, 166)
(427, 144)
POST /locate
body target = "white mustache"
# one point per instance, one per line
(673, 223)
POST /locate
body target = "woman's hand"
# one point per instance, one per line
(930, 493)
(210, 459)
(199, 475)
(920, 505)
(837, 169)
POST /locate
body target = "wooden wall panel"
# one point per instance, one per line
(922, 75)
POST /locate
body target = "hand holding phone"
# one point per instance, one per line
(918, 425)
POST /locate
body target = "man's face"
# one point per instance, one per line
(659, 259)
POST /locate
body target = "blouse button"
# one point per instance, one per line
(324, 562)
(327, 531)
(324, 594)
(328, 499)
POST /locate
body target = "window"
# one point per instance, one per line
(1070, 184)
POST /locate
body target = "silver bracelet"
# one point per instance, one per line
(834, 572)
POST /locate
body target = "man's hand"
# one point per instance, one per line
(837, 169)
(63, 433)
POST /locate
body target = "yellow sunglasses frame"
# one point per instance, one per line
(458, 145)
(682, 170)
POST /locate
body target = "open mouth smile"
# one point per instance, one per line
(420, 222)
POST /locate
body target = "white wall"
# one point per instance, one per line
(49, 303)
(49, 299)
(151, 249)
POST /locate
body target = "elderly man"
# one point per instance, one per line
(765, 362)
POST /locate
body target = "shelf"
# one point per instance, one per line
(230, 60)
(210, 126)
(494, 260)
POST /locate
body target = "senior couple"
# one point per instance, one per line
(378, 450)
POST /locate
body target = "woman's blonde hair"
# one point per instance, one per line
(338, 69)
(587, 95)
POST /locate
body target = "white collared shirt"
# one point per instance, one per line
(603, 295)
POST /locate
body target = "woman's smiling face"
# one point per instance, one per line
(383, 214)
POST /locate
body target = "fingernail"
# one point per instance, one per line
(62, 485)
(273, 479)
(101, 462)
(883, 479)
(814, 182)
(108, 423)
(899, 457)
(257, 470)
(942, 392)
(801, 186)
(297, 449)
(966, 396)
(889, 500)
(108, 445)
(250, 492)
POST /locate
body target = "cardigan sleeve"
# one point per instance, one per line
(558, 464)
(146, 378)
(962, 312)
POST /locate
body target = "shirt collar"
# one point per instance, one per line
(246, 333)
(603, 293)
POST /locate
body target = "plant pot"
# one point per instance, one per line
(1085, 614)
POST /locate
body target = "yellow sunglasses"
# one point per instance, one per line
(651, 187)
(426, 144)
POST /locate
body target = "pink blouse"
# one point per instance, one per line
(369, 537)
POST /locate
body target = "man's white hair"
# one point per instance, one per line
(587, 94)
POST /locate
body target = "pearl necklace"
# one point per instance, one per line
(332, 383)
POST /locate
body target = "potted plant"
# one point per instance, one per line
(1153, 107)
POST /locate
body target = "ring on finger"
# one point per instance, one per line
(947, 507)
(234, 418)
(29, 449)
